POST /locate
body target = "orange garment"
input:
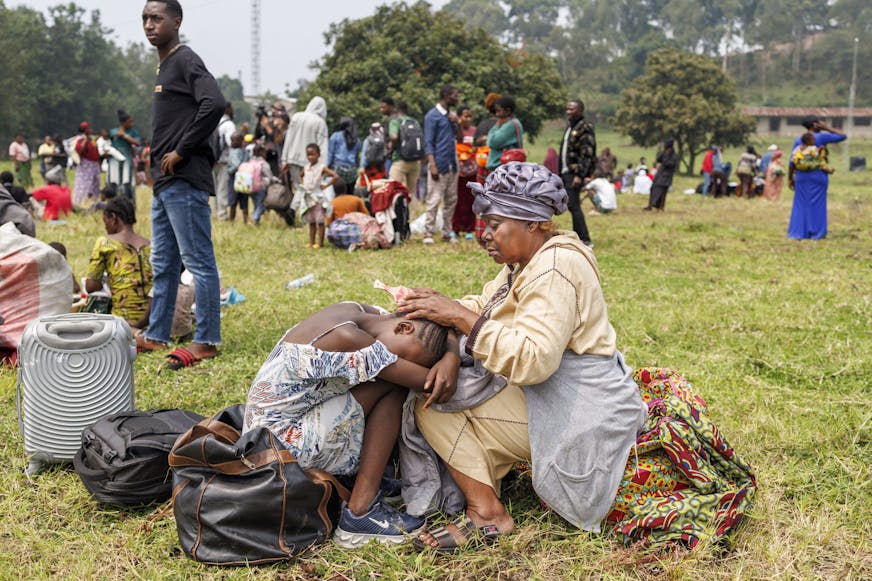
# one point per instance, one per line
(345, 204)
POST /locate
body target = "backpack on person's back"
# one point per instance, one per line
(375, 150)
(411, 138)
(217, 145)
(249, 177)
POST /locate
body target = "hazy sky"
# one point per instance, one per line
(219, 31)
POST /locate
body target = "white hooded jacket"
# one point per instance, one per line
(309, 126)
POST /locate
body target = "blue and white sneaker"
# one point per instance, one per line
(381, 522)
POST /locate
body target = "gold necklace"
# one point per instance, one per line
(169, 54)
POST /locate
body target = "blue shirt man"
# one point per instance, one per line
(440, 138)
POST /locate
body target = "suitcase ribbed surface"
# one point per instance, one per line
(75, 369)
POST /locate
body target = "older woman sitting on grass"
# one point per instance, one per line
(571, 405)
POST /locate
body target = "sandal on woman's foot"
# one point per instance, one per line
(183, 357)
(446, 541)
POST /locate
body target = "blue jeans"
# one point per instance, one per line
(706, 182)
(181, 233)
(259, 197)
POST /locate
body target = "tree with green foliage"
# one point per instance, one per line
(484, 14)
(233, 92)
(62, 69)
(408, 52)
(684, 97)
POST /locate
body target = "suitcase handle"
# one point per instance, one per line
(75, 334)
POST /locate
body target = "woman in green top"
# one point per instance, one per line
(124, 138)
(507, 133)
(125, 257)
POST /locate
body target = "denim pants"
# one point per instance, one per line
(181, 234)
(706, 182)
(259, 209)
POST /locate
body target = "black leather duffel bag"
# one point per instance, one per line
(243, 499)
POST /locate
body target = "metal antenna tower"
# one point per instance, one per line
(255, 47)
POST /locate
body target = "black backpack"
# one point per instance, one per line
(123, 458)
(217, 146)
(411, 140)
(375, 150)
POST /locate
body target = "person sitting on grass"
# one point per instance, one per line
(58, 199)
(106, 194)
(810, 157)
(332, 391)
(345, 203)
(19, 194)
(12, 211)
(602, 193)
(125, 257)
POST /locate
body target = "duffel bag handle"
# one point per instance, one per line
(322, 477)
(209, 427)
(238, 466)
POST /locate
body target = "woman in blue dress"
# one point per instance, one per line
(809, 216)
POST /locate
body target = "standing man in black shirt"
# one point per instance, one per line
(577, 162)
(187, 105)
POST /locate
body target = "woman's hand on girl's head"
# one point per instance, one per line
(437, 308)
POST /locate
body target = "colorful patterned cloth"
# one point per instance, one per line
(130, 276)
(683, 480)
(359, 229)
(87, 181)
(302, 394)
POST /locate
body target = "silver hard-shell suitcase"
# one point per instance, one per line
(73, 370)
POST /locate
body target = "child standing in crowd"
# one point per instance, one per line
(236, 156)
(258, 155)
(311, 198)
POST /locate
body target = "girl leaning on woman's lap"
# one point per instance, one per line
(594, 432)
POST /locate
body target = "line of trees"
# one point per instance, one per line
(62, 68)
(776, 50)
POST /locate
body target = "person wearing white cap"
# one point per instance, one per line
(767, 157)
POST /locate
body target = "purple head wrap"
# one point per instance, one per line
(522, 191)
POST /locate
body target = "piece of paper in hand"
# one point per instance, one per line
(398, 292)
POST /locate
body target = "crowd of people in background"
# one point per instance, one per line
(353, 186)
(435, 161)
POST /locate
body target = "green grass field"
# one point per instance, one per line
(775, 334)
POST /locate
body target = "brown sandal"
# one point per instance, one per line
(447, 541)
